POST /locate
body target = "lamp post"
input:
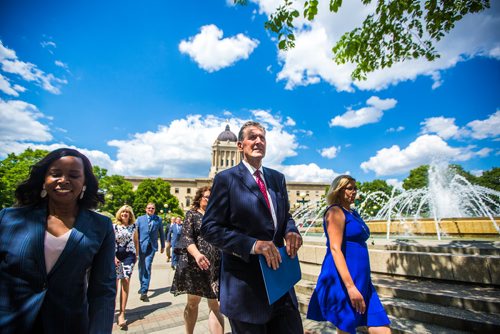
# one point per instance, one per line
(302, 199)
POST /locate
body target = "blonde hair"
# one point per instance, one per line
(119, 213)
(332, 197)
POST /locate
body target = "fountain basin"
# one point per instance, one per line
(466, 227)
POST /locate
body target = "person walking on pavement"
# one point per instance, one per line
(126, 247)
(149, 227)
(248, 214)
(168, 249)
(173, 237)
(199, 267)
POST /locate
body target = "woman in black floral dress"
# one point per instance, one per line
(126, 249)
(198, 270)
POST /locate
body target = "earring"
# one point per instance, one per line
(43, 193)
(83, 192)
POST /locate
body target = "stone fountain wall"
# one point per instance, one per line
(455, 227)
(473, 261)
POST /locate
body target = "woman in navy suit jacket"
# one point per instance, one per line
(57, 271)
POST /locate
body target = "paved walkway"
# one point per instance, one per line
(164, 312)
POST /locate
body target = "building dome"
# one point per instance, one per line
(227, 135)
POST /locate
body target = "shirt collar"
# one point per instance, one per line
(252, 169)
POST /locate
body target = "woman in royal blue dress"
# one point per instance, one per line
(127, 243)
(344, 293)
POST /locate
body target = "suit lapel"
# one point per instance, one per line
(81, 225)
(40, 219)
(248, 180)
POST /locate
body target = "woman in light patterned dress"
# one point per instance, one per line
(127, 243)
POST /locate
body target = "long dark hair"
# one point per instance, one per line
(28, 192)
(198, 196)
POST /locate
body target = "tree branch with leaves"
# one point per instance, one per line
(398, 30)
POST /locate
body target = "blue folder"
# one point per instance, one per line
(280, 281)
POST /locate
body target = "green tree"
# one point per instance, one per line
(418, 178)
(117, 192)
(398, 30)
(490, 179)
(99, 172)
(156, 191)
(371, 205)
(457, 169)
(13, 170)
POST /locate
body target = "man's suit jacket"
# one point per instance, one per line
(77, 295)
(237, 215)
(150, 235)
(174, 235)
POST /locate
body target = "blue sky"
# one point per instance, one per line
(135, 85)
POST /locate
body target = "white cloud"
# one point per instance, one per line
(212, 52)
(424, 150)
(165, 152)
(484, 152)
(395, 183)
(61, 64)
(45, 44)
(289, 121)
(442, 126)
(310, 173)
(20, 122)
(310, 62)
(477, 172)
(330, 152)
(398, 129)
(488, 128)
(366, 115)
(28, 71)
(6, 87)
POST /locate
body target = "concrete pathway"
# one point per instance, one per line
(164, 312)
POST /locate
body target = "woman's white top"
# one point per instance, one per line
(53, 248)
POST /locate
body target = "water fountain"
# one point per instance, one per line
(449, 199)
(448, 195)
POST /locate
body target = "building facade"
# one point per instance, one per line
(225, 155)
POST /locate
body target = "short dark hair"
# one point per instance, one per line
(198, 196)
(28, 191)
(247, 124)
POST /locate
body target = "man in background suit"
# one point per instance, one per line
(149, 227)
(173, 238)
(169, 246)
(248, 214)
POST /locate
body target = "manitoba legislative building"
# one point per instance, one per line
(225, 155)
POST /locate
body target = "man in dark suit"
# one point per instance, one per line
(168, 249)
(149, 227)
(173, 238)
(248, 214)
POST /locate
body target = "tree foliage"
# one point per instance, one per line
(156, 191)
(398, 30)
(490, 179)
(13, 170)
(372, 205)
(99, 172)
(117, 192)
(418, 178)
